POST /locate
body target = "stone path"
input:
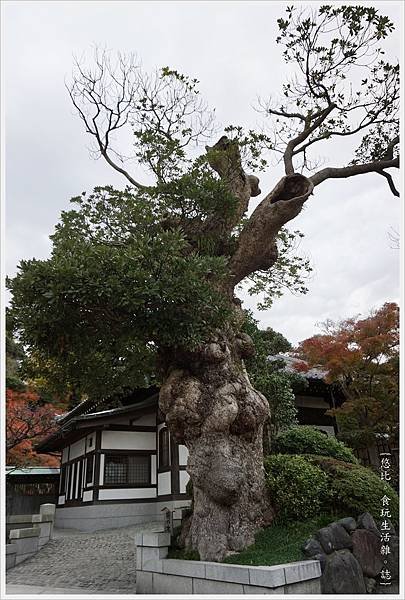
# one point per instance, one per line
(99, 562)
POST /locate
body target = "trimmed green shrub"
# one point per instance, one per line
(355, 489)
(309, 440)
(297, 488)
(302, 486)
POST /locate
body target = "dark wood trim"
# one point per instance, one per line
(96, 479)
(81, 457)
(104, 502)
(164, 470)
(165, 498)
(80, 486)
(148, 428)
(174, 456)
(127, 452)
(69, 503)
(168, 497)
(125, 486)
(131, 414)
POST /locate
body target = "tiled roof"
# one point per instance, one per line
(290, 361)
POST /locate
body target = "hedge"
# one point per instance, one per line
(309, 440)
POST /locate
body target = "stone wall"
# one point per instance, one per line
(349, 552)
(26, 541)
(157, 574)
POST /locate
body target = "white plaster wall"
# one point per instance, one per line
(77, 449)
(145, 420)
(65, 454)
(164, 483)
(87, 495)
(127, 493)
(184, 477)
(183, 455)
(101, 469)
(61, 500)
(72, 481)
(153, 469)
(77, 481)
(128, 440)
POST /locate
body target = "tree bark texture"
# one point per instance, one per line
(212, 408)
(209, 402)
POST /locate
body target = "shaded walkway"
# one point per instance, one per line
(98, 562)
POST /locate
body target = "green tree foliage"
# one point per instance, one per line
(135, 270)
(14, 356)
(270, 377)
(306, 485)
(297, 488)
(354, 489)
(309, 440)
(118, 283)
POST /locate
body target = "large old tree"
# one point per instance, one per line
(146, 276)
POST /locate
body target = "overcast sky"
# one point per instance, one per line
(230, 47)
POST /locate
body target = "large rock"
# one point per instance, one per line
(322, 559)
(366, 521)
(311, 547)
(370, 585)
(342, 574)
(392, 559)
(333, 537)
(348, 523)
(366, 549)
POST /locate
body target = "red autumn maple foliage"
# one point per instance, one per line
(362, 356)
(27, 422)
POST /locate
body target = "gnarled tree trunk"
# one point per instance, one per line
(212, 408)
(209, 402)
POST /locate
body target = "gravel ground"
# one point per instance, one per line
(103, 561)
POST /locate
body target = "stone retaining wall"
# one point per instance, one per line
(349, 551)
(26, 541)
(157, 574)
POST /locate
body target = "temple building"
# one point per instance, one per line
(120, 465)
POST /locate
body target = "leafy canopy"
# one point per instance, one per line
(362, 356)
(118, 285)
(270, 377)
(137, 270)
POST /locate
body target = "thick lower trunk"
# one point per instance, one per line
(211, 407)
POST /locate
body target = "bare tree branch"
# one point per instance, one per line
(308, 129)
(390, 181)
(104, 101)
(351, 170)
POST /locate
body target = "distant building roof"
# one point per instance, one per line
(11, 470)
(79, 421)
(290, 361)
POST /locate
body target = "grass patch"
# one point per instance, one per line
(275, 545)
